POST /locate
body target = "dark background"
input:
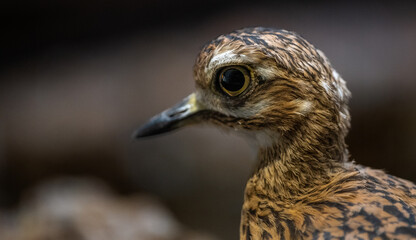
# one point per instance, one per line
(76, 77)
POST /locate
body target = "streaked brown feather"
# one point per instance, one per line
(283, 93)
(304, 186)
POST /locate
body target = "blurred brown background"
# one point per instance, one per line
(77, 77)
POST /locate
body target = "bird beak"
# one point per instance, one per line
(182, 114)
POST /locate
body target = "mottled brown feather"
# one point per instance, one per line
(304, 186)
(294, 106)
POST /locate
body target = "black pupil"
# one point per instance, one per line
(232, 80)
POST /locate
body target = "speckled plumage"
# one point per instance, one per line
(295, 108)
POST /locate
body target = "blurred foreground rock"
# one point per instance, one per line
(75, 209)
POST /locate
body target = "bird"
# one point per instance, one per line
(277, 89)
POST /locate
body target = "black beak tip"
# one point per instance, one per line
(145, 131)
(140, 133)
(153, 127)
(168, 120)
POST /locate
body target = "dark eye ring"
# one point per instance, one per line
(234, 80)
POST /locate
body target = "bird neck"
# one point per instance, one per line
(298, 161)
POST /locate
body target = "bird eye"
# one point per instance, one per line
(234, 80)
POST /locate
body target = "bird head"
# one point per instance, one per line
(265, 82)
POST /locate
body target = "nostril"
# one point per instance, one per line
(174, 114)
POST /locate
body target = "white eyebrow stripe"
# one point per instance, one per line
(222, 57)
(230, 57)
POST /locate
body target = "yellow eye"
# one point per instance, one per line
(234, 80)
